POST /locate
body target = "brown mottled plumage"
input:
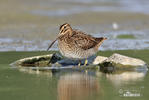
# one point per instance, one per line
(76, 44)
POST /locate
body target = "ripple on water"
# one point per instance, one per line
(110, 44)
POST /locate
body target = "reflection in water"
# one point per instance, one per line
(126, 83)
(80, 86)
(125, 77)
(77, 87)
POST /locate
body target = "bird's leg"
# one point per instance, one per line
(79, 64)
(86, 61)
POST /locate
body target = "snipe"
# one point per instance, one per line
(75, 44)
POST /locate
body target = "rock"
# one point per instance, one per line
(99, 59)
(33, 61)
(121, 61)
(67, 61)
(106, 64)
(55, 58)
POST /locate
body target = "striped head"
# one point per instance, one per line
(65, 29)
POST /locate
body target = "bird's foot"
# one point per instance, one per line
(86, 62)
(79, 64)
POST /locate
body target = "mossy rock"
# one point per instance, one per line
(33, 61)
(105, 64)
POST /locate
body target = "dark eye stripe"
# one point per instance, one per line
(65, 30)
(65, 24)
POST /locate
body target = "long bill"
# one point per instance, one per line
(60, 35)
(52, 44)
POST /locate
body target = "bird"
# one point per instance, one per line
(75, 44)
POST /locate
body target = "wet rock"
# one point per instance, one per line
(123, 62)
(33, 61)
(99, 59)
(55, 58)
(106, 64)
(66, 61)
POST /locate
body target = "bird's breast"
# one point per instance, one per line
(70, 50)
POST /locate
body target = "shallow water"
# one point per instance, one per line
(27, 25)
(71, 84)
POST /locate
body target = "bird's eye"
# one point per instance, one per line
(64, 26)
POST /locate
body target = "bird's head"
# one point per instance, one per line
(65, 29)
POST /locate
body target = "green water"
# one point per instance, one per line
(72, 85)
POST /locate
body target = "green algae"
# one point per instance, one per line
(126, 36)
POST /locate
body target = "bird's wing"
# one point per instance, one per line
(84, 41)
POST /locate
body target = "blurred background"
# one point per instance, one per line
(31, 25)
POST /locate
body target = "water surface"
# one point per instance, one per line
(72, 84)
